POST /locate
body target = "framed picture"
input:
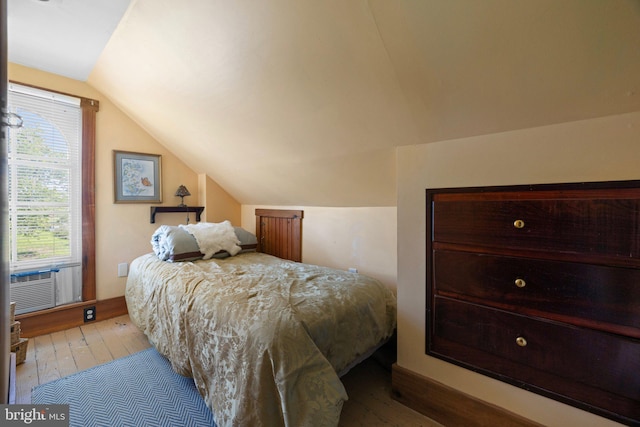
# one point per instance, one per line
(138, 177)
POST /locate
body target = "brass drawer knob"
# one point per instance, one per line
(521, 341)
(520, 283)
(518, 223)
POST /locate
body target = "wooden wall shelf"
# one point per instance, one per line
(164, 209)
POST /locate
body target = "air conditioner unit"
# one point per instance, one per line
(34, 290)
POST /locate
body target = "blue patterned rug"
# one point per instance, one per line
(136, 390)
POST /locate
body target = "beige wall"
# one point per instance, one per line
(592, 150)
(218, 204)
(362, 238)
(123, 231)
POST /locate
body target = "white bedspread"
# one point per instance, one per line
(262, 337)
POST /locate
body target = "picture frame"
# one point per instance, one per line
(137, 177)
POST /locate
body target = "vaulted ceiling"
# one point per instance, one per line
(289, 102)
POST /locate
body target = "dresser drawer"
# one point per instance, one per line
(609, 227)
(605, 298)
(491, 338)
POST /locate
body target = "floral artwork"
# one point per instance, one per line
(137, 177)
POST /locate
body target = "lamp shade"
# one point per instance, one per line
(182, 191)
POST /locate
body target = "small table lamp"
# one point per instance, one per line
(181, 192)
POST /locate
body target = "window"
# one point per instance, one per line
(50, 158)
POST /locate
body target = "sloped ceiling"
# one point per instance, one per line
(289, 102)
(61, 36)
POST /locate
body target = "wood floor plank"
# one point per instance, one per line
(66, 364)
(46, 359)
(133, 339)
(95, 343)
(108, 332)
(79, 349)
(368, 386)
(30, 351)
(27, 374)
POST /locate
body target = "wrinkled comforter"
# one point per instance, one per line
(262, 337)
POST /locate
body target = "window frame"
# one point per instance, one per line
(89, 108)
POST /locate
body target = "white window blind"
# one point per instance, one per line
(45, 179)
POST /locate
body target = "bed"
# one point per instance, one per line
(265, 339)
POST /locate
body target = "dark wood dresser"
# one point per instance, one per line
(539, 286)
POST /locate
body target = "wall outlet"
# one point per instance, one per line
(90, 314)
(353, 270)
(123, 269)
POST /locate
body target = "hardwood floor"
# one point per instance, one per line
(56, 355)
(59, 354)
(370, 404)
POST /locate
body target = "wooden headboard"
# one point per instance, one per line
(279, 233)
